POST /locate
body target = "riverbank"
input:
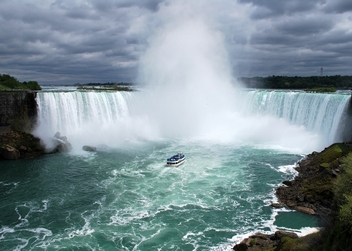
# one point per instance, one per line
(18, 145)
(311, 192)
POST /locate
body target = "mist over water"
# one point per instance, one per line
(193, 94)
(188, 92)
(188, 78)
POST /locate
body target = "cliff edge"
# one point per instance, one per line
(313, 191)
(18, 112)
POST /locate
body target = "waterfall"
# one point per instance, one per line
(81, 114)
(318, 112)
(68, 111)
(102, 117)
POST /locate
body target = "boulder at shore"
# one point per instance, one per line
(61, 143)
(89, 148)
(9, 152)
(19, 145)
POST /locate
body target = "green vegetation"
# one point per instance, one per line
(339, 235)
(109, 86)
(106, 84)
(321, 184)
(326, 179)
(106, 88)
(321, 89)
(288, 243)
(8, 82)
(313, 83)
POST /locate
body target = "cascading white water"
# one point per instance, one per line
(84, 117)
(319, 113)
(293, 120)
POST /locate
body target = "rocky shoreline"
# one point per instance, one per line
(310, 192)
(19, 145)
(16, 144)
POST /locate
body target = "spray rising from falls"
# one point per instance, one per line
(188, 94)
(193, 94)
(281, 119)
(187, 71)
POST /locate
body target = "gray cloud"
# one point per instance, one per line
(275, 8)
(338, 6)
(65, 42)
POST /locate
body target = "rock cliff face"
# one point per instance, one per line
(310, 192)
(312, 189)
(18, 109)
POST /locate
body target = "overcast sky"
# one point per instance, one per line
(81, 41)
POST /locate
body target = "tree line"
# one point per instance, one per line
(8, 82)
(284, 82)
(105, 84)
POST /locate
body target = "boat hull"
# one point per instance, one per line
(175, 163)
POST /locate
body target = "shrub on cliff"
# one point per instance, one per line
(32, 85)
(343, 194)
(340, 233)
(8, 82)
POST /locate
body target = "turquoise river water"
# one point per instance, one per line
(123, 197)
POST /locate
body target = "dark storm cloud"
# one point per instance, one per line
(69, 38)
(304, 26)
(300, 37)
(61, 41)
(152, 5)
(338, 6)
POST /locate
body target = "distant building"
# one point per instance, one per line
(321, 71)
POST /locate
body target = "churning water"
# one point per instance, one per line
(239, 145)
(123, 197)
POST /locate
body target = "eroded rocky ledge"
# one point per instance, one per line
(19, 145)
(310, 192)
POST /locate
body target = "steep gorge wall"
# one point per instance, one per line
(346, 123)
(18, 109)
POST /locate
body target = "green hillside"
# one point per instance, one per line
(8, 82)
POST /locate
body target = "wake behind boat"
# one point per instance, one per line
(176, 160)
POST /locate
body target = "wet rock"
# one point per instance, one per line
(288, 182)
(89, 148)
(257, 241)
(9, 153)
(277, 205)
(240, 247)
(305, 210)
(26, 144)
(61, 143)
(281, 234)
(23, 148)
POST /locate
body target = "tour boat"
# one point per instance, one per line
(176, 160)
